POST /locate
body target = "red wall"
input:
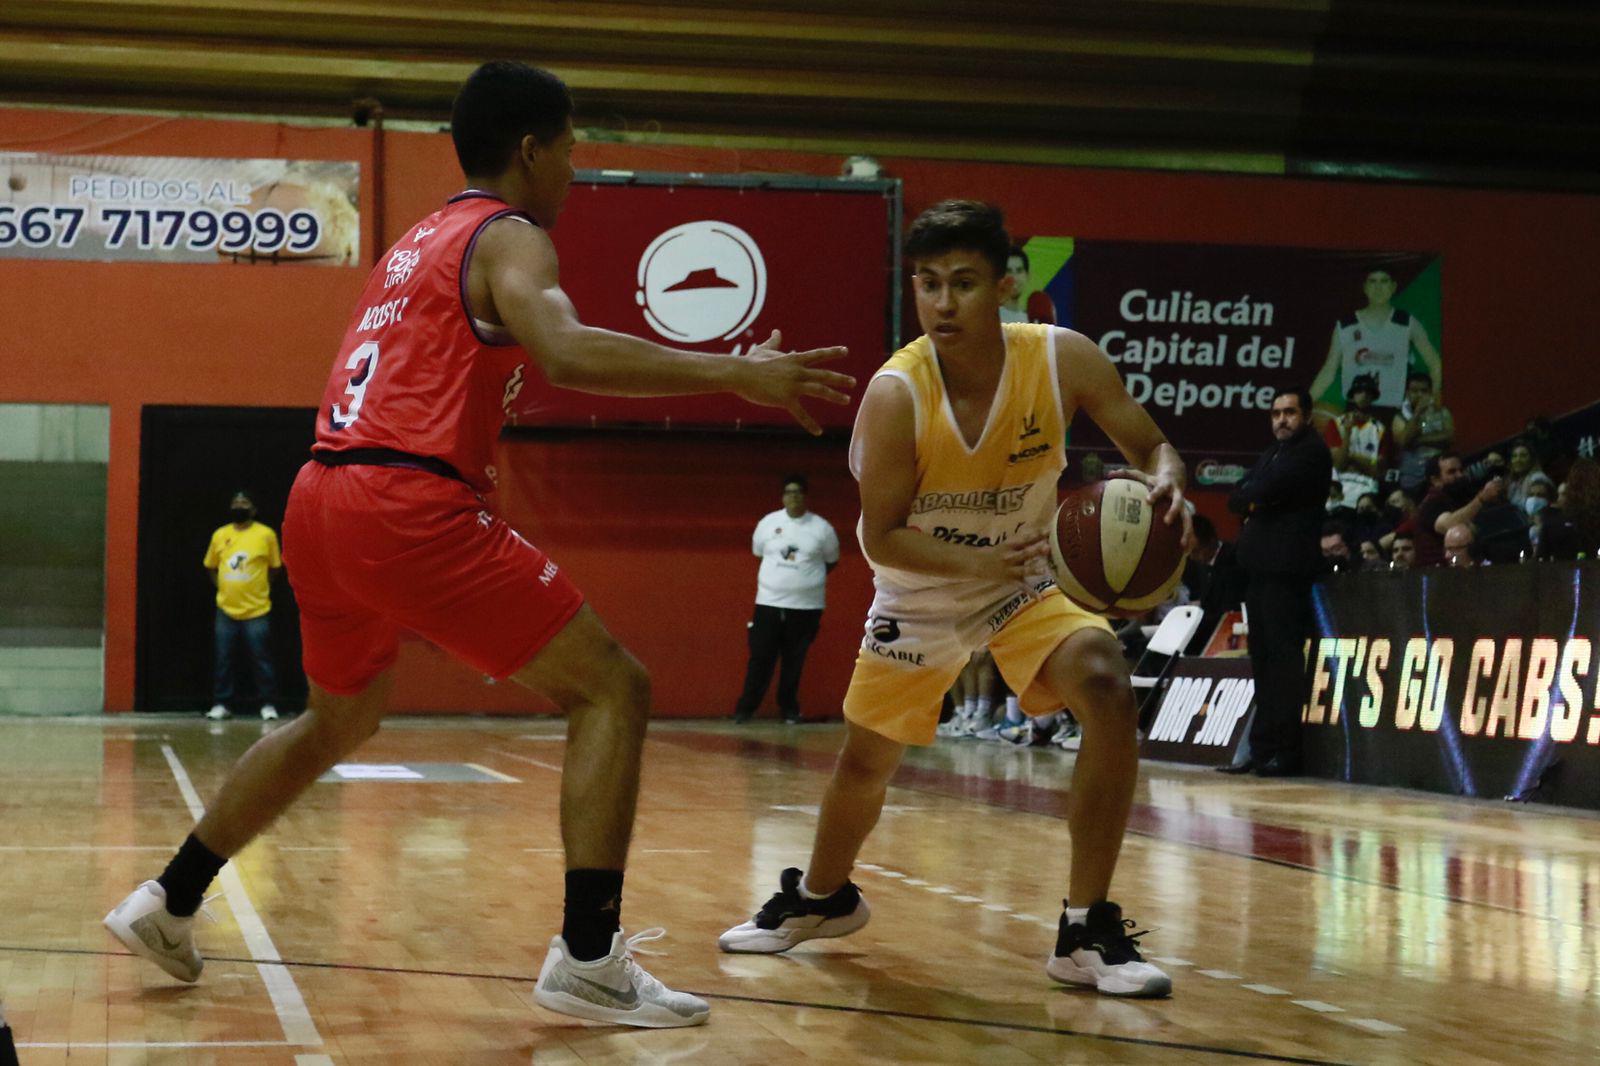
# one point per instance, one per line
(656, 528)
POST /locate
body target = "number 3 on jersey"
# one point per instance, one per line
(357, 387)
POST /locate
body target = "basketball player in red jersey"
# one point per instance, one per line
(386, 530)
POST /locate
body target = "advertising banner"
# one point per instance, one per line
(1204, 712)
(716, 267)
(1479, 681)
(1203, 334)
(169, 209)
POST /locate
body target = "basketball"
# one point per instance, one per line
(1110, 550)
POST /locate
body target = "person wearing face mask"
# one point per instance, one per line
(241, 559)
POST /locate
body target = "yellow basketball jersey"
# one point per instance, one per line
(989, 494)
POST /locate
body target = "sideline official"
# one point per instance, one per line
(797, 549)
(1282, 501)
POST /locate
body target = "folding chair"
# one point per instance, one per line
(1171, 637)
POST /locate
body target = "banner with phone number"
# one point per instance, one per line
(170, 209)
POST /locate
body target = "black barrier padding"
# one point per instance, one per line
(1519, 640)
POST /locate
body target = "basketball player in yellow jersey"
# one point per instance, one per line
(957, 449)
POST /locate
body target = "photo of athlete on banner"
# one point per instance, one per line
(1381, 341)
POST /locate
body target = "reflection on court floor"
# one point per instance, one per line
(399, 912)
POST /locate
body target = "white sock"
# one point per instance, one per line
(1014, 715)
(1077, 915)
(985, 708)
(806, 893)
(969, 707)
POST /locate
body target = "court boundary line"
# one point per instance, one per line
(734, 997)
(287, 1003)
(924, 789)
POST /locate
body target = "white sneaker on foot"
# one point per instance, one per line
(144, 927)
(218, 712)
(615, 988)
(269, 713)
(789, 918)
(1102, 954)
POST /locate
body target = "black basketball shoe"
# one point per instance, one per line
(1104, 955)
(788, 918)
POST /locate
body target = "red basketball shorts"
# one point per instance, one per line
(373, 550)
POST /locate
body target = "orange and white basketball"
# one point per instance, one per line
(1111, 552)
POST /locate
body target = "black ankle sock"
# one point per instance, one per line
(188, 875)
(593, 912)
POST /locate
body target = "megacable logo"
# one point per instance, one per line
(702, 281)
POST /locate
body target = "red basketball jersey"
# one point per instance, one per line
(416, 373)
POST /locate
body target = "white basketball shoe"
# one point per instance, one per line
(144, 927)
(614, 988)
(789, 918)
(1102, 954)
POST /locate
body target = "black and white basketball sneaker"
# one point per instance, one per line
(789, 918)
(1102, 954)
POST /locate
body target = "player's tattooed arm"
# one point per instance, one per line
(514, 280)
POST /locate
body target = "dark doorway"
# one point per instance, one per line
(192, 460)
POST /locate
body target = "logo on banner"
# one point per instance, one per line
(1217, 705)
(1211, 472)
(702, 281)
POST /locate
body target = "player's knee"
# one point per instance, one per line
(1104, 689)
(625, 684)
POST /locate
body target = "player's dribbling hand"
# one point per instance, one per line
(776, 378)
(1024, 561)
(1161, 487)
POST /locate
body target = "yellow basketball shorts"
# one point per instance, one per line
(906, 664)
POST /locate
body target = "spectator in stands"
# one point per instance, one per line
(1214, 578)
(241, 560)
(797, 549)
(1452, 501)
(1400, 505)
(1524, 472)
(1091, 469)
(1402, 552)
(1372, 556)
(1281, 499)
(1357, 441)
(1458, 546)
(1421, 429)
(1335, 505)
(1570, 527)
(1369, 521)
(1335, 543)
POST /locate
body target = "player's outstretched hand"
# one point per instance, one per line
(776, 378)
(1163, 487)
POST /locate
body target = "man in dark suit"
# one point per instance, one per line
(1282, 500)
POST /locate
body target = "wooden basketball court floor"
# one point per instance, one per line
(401, 921)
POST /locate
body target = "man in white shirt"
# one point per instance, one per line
(797, 549)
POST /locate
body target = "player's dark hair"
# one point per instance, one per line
(1017, 253)
(965, 224)
(797, 479)
(1420, 375)
(499, 104)
(246, 493)
(1301, 394)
